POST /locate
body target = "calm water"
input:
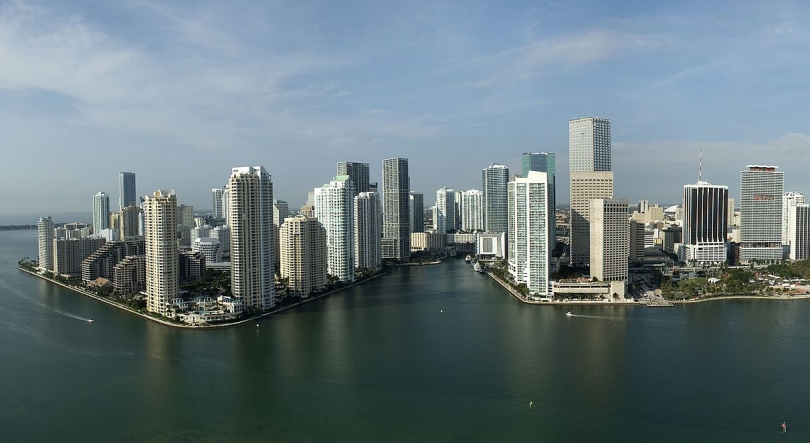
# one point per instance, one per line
(381, 363)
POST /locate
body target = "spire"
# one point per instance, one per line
(700, 168)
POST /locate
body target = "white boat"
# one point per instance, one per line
(477, 267)
(569, 314)
(468, 258)
(89, 320)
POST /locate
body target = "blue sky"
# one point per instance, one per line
(180, 92)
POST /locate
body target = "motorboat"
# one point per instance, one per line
(477, 267)
(569, 314)
(468, 258)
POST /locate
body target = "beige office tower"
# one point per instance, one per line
(160, 232)
(250, 217)
(303, 255)
(585, 186)
(610, 242)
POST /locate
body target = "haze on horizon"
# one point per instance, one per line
(179, 93)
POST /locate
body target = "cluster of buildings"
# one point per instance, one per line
(349, 225)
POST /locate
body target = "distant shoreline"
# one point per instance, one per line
(185, 326)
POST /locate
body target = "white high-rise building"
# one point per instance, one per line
(45, 243)
(209, 247)
(226, 203)
(303, 255)
(472, 210)
(528, 234)
(223, 234)
(127, 195)
(761, 189)
(495, 184)
(610, 242)
(396, 210)
(585, 186)
(705, 222)
(281, 210)
(445, 219)
(101, 212)
(789, 201)
(367, 222)
(334, 208)
(216, 203)
(250, 218)
(160, 231)
(588, 151)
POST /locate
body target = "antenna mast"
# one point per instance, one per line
(700, 168)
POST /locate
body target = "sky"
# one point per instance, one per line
(181, 92)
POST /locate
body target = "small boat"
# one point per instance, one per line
(468, 258)
(89, 320)
(569, 314)
(477, 267)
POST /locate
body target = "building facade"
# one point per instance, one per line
(761, 189)
(127, 194)
(610, 241)
(528, 233)
(705, 222)
(101, 212)
(471, 208)
(216, 202)
(303, 255)
(367, 222)
(585, 186)
(799, 232)
(417, 211)
(495, 185)
(396, 210)
(358, 173)
(160, 232)
(444, 220)
(250, 219)
(545, 162)
(209, 247)
(45, 243)
(334, 208)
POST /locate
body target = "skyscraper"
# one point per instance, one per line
(761, 189)
(528, 235)
(610, 242)
(303, 255)
(101, 212)
(367, 222)
(545, 162)
(127, 195)
(130, 221)
(216, 203)
(799, 232)
(160, 231)
(281, 210)
(396, 210)
(250, 218)
(705, 222)
(334, 208)
(588, 152)
(494, 185)
(585, 186)
(445, 219)
(45, 243)
(472, 210)
(417, 211)
(358, 173)
(789, 201)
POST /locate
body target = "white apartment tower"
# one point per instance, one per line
(303, 255)
(45, 243)
(334, 208)
(705, 222)
(610, 242)
(588, 151)
(396, 210)
(101, 212)
(528, 233)
(445, 219)
(472, 210)
(250, 218)
(586, 186)
(216, 202)
(761, 189)
(367, 222)
(495, 184)
(160, 231)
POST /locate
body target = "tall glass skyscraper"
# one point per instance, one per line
(705, 222)
(494, 185)
(396, 210)
(101, 212)
(127, 195)
(358, 173)
(545, 162)
(417, 209)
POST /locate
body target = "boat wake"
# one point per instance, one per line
(23, 296)
(600, 317)
(68, 314)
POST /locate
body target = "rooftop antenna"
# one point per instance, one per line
(700, 168)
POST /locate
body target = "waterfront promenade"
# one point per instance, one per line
(185, 326)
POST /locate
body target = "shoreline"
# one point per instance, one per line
(506, 286)
(185, 326)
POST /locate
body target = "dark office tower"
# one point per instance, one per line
(396, 242)
(545, 162)
(358, 172)
(417, 209)
(494, 183)
(126, 190)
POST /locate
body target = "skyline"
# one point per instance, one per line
(180, 94)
